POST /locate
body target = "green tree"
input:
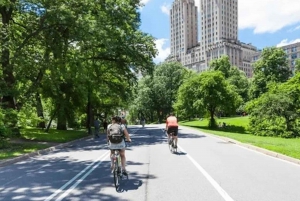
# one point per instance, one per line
(72, 55)
(277, 112)
(297, 65)
(185, 104)
(239, 80)
(235, 76)
(271, 67)
(157, 93)
(222, 64)
(208, 92)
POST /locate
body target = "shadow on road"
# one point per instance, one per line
(41, 176)
(190, 135)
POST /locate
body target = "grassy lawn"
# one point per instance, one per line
(237, 130)
(18, 149)
(31, 136)
(53, 135)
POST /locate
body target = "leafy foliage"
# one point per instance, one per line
(208, 92)
(222, 64)
(156, 94)
(62, 60)
(271, 67)
(277, 112)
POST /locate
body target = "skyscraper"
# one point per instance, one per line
(219, 20)
(184, 26)
(219, 35)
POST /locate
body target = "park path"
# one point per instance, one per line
(205, 168)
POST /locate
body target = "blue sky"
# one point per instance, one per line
(261, 22)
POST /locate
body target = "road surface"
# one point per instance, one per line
(205, 169)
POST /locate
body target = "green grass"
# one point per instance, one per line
(53, 135)
(237, 130)
(18, 149)
(33, 136)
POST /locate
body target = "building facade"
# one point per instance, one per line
(292, 51)
(184, 26)
(219, 35)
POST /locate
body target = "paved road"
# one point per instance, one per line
(206, 169)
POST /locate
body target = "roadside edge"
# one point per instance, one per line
(252, 147)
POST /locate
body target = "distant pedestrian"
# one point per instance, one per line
(97, 127)
(143, 121)
(105, 126)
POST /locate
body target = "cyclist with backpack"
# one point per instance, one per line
(116, 134)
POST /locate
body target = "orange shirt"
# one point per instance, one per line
(171, 121)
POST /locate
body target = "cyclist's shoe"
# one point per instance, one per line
(125, 173)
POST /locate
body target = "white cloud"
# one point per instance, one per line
(163, 53)
(144, 1)
(294, 29)
(286, 42)
(166, 8)
(267, 16)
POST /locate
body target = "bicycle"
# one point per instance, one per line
(118, 171)
(171, 143)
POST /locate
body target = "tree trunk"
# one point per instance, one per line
(212, 122)
(40, 111)
(51, 119)
(61, 119)
(8, 99)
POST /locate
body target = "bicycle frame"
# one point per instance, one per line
(171, 142)
(118, 171)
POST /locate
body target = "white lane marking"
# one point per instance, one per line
(74, 178)
(62, 196)
(221, 191)
(11, 181)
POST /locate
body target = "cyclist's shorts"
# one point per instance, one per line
(173, 129)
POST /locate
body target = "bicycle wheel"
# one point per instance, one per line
(116, 175)
(171, 144)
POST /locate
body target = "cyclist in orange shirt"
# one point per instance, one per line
(172, 126)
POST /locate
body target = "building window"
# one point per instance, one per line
(294, 56)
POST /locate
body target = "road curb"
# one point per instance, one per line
(7, 162)
(252, 147)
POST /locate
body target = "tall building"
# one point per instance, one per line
(219, 20)
(184, 26)
(219, 36)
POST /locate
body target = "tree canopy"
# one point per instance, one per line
(64, 59)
